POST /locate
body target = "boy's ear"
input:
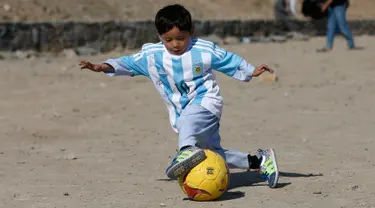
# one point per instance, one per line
(160, 38)
(192, 30)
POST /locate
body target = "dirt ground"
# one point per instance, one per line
(72, 138)
(99, 10)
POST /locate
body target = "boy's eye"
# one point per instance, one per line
(170, 39)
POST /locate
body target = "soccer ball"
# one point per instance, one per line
(208, 180)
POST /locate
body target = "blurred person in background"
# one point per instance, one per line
(337, 22)
(293, 7)
(285, 12)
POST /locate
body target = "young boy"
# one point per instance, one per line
(181, 69)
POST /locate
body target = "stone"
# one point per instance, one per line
(268, 77)
(70, 156)
(29, 54)
(70, 53)
(231, 40)
(7, 7)
(86, 51)
(213, 38)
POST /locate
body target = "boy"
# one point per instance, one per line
(181, 69)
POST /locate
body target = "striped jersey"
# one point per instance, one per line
(184, 79)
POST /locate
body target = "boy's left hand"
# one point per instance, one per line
(260, 69)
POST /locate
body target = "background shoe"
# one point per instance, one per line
(322, 50)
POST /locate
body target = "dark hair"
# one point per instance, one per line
(173, 16)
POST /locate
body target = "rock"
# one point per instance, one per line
(86, 51)
(7, 7)
(231, 40)
(119, 49)
(355, 187)
(76, 110)
(297, 36)
(261, 39)
(246, 40)
(70, 53)
(213, 38)
(7, 55)
(70, 156)
(279, 38)
(29, 54)
(269, 78)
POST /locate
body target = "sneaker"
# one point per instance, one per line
(268, 167)
(356, 48)
(184, 161)
(323, 50)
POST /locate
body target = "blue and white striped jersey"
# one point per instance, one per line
(187, 78)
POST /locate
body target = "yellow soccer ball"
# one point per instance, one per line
(208, 180)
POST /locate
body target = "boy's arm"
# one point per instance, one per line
(119, 67)
(132, 65)
(231, 64)
(235, 66)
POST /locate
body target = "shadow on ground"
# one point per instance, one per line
(252, 178)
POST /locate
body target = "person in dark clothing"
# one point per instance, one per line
(337, 22)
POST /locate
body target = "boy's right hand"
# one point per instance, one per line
(90, 66)
(260, 69)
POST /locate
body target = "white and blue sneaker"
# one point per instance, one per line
(268, 166)
(184, 161)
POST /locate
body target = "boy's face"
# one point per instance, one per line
(176, 41)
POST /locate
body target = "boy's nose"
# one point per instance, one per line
(176, 44)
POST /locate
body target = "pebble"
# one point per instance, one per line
(70, 156)
(7, 7)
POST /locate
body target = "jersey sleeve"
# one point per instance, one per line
(231, 64)
(132, 65)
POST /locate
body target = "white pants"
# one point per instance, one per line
(199, 127)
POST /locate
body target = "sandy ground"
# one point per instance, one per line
(71, 138)
(99, 10)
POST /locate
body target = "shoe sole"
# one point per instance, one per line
(273, 156)
(186, 165)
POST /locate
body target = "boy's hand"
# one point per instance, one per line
(90, 66)
(260, 69)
